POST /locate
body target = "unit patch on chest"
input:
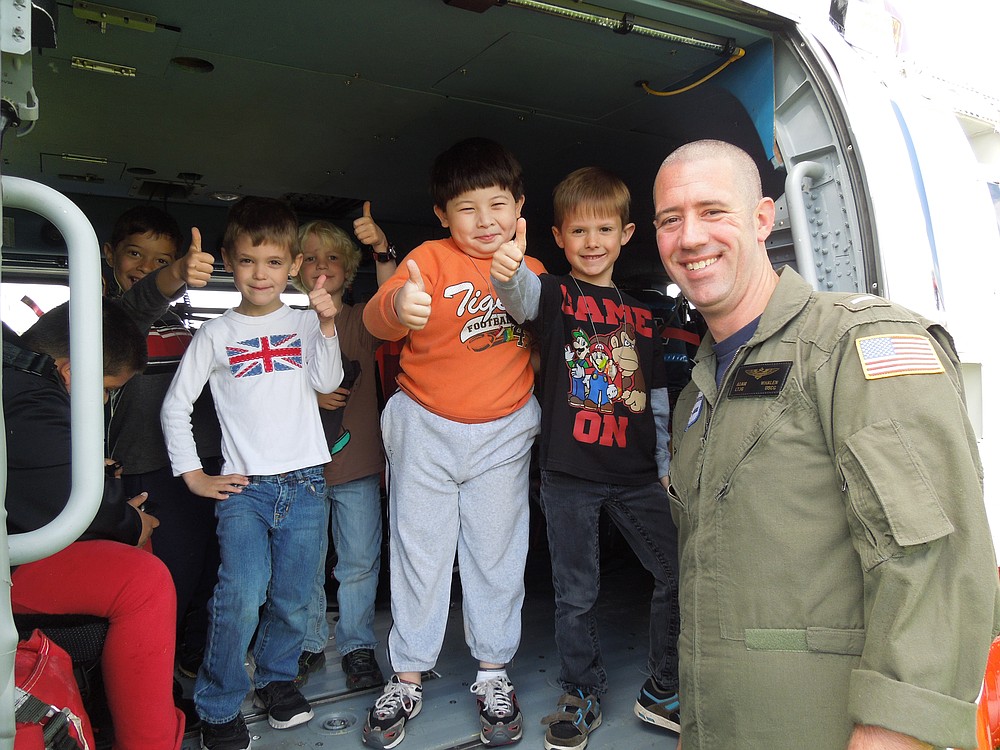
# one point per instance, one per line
(761, 379)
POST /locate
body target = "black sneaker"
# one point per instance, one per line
(189, 659)
(361, 669)
(285, 705)
(659, 707)
(577, 717)
(498, 711)
(232, 735)
(309, 662)
(400, 701)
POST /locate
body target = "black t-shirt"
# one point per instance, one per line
(601, 357)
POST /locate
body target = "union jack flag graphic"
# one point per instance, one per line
(257, 356)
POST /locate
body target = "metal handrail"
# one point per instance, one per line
(86, 414)
(805, 260)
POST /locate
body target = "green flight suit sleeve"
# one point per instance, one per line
(913, 492)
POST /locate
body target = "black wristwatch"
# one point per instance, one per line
(389, 254)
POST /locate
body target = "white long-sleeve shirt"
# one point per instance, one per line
(264, 372)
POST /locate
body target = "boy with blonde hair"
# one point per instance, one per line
(264, 362)
(604, 445)
(354, 473)
(458, 436)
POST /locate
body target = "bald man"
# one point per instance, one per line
(838, 585)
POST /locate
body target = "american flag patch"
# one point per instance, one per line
(282, 351)
(897, 354)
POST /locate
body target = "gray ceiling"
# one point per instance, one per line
(333, 102)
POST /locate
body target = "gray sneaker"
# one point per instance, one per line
(386, 724)
(499, 713)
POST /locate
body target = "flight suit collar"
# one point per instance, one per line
(790, 297)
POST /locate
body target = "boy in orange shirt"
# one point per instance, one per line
(457, 436)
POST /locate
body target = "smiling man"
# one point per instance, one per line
(837, 578)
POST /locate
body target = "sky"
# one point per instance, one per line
(953, 39)
(956, 40)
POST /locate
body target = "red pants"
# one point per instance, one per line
(133, 590)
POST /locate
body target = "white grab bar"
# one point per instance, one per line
(87, 402)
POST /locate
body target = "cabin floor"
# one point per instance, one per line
(449, 719)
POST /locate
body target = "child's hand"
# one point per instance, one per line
(321, 301)
(213, 487)
(335, 400)
(195, 268)
(368, 232)
(112, 469)
(413, 303)
(507, 259)
(148, 522)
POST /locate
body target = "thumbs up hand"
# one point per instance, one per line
(507, 259)
(413, 303)
(368, 232)
(195, 267)
(326, 309)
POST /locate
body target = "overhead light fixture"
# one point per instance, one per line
(224, 196)
(628, 23)
(96, 66)
(84, 158)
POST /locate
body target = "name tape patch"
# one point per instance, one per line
(889, 355)
(761, 379)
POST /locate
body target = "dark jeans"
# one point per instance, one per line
(572, 508)
(186, 542)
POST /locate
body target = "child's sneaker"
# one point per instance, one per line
(232, 735)
(361, 669)
(286, 708)
(577, 717)
(309, 662)
(386, 723)
(498, 711)
(659, 707)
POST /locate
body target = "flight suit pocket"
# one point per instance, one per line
(889, 494)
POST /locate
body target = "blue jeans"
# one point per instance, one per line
(356, 528)
(268, 534)
(572, 508)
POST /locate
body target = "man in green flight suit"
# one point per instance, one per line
(838, 584)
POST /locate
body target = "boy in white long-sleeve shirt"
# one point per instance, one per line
(264, 363)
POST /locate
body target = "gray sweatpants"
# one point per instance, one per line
(456, 486)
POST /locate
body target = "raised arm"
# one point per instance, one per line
(518, 287)
(370, 233)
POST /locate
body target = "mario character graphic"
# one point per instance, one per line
(605, 370)
(603, 388)
(577, 355)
